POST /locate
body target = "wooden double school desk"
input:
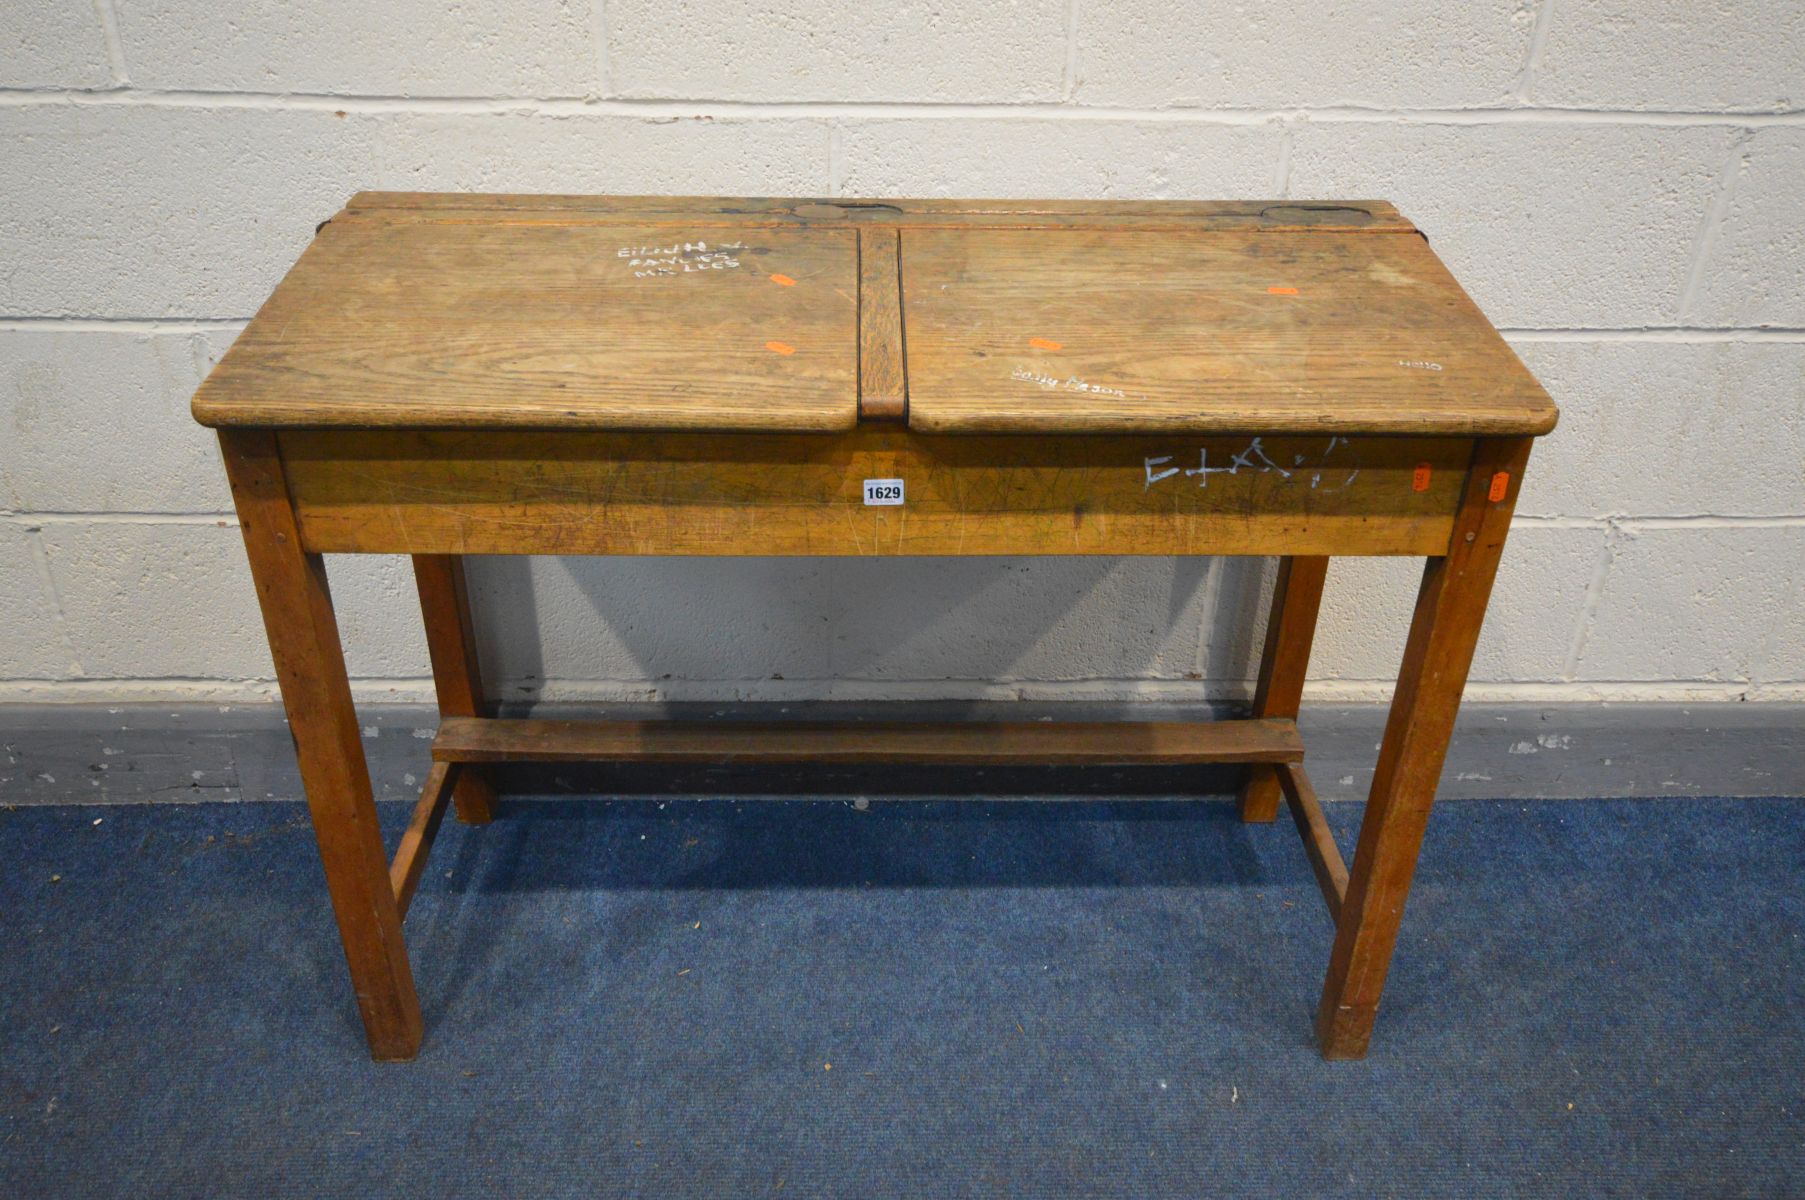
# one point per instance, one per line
(442, 375)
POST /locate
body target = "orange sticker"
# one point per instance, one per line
(1045, 344)
(783, 281)
(1500, 485)
(780, 347)
(1283, 291)
(1419, 478)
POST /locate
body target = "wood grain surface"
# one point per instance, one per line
(1319, 840)
(316, 694)
(458, 492)
(1450, 608)
(456, 671)
(883, 381)
(497, 324)
(422, 310)
(466, 740)
(1277, 216)
(1111, 332)
(1279, 692)
(409, 863)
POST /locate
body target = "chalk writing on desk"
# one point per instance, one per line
(681, 258)
(1320, 475)
(1070, 383)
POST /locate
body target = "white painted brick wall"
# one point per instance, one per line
(162, 600)
(1531, 628)
(1733, 611)
(1292, 53)
(581, 151)
(1674, 55)
(537, 48)
(1035, 157)
(943, 50)
(1720, 429)
(794, 628)
(31, 639)
(1757, 249)
(53, 43)
(1617, 183)
(165, 211)
(1547, 225)
(99, 423)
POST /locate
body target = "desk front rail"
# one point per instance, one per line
(450, 492)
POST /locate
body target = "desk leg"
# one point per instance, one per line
(1290, 628)
(310, 666)
(1450, 606)
(451, 642)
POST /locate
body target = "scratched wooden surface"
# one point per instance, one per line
(999, 743)
(497, 324)
(517, 492)
(1276, 216)
(661, 313)
(883, 382)
(1113, 331)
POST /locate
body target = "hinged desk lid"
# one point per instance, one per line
(965, 316)
(506, 319)
(1096, 330)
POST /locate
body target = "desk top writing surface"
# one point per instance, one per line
(675, 313)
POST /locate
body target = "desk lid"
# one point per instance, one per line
(462, 311)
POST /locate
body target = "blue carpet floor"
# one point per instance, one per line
(936, 999)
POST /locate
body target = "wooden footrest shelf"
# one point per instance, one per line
(483, 739)
(487, 740)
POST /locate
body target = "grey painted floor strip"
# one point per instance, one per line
(150, 754)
